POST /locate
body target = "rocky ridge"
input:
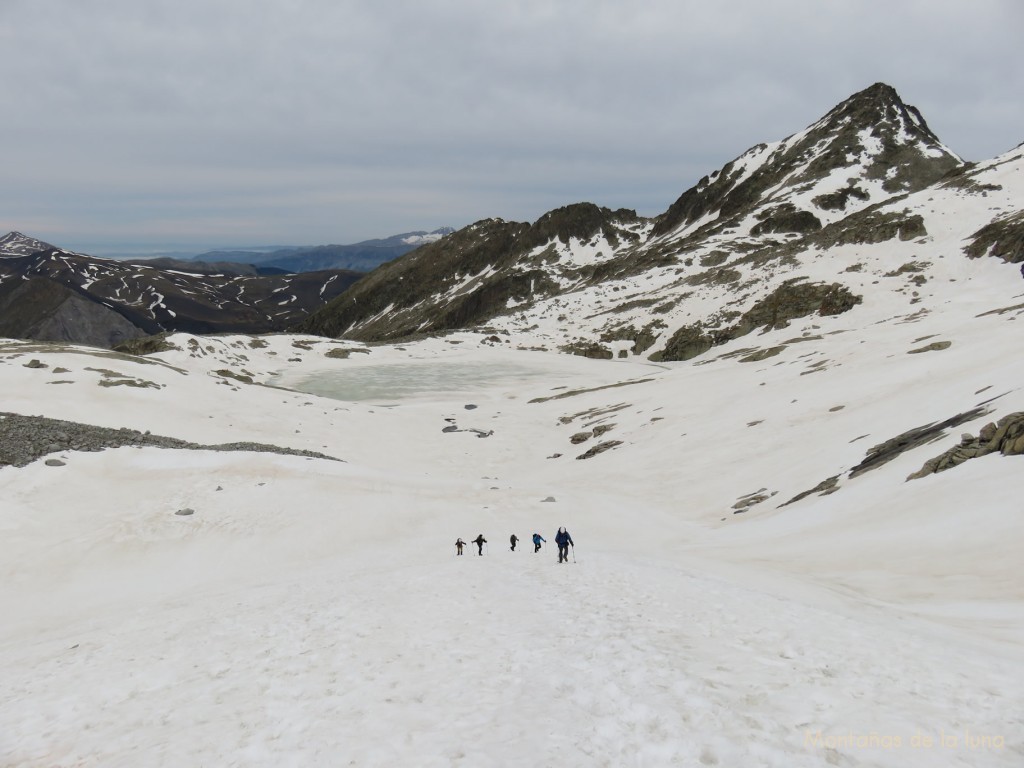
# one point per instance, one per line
(1005, 436)
(56, 295)
(587, 280)
(24, 439)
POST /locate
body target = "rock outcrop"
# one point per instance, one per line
(45, 310)
(1005, 436)
(913, 438)
(23, 439)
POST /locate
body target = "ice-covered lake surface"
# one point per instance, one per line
(392, 383)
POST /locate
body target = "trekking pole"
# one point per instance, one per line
(573, 548)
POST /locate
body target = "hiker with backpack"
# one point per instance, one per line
(459, 544)
(537, 539)
(513, 541)
(564, 541)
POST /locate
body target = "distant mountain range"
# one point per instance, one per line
(358, 257)
(51, 294)
(787, 229)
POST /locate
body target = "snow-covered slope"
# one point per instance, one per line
(312, 612)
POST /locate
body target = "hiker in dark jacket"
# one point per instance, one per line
(480, 541)
(513, 541)
(564, 541)
(537, 539)
(459, 544)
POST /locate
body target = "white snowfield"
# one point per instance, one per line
(314, 613)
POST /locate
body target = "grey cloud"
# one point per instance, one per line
(317, 121)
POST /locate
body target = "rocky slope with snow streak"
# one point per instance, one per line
(57, 295)
(815, 224)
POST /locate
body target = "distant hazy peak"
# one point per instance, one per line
(421, 238)
(17, 244)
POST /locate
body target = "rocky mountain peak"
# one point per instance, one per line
(15, 244)
(581, 221)
(879, 111)
(866, 149)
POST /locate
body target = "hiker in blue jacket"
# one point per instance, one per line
(564, 541)
(537, 539)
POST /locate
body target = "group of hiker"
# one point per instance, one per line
(562, 539)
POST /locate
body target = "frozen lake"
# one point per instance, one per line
(397, 382)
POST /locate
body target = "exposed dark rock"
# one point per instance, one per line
(146, 345)
(761, 354)
(45, 310)
(582, 221)
(837, 201)
(871, 226)
(714, 259)
(228, 374)
(686, 343)
(1003, 238)
(642, 339)
(785, 218)
(933, 347)
(751, 499)
(588, 349)
(599, 448)
(23, 439)
(128, 382)
(1003, 310)
(823, 488)
(716, 276)
(792, 299)
(1005, 436)
(964, 178)
(913, 438)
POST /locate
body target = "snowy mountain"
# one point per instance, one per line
(56, 295)
(15, 244)
(797, 529)
(733, 252)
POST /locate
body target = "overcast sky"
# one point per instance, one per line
(152, 125)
